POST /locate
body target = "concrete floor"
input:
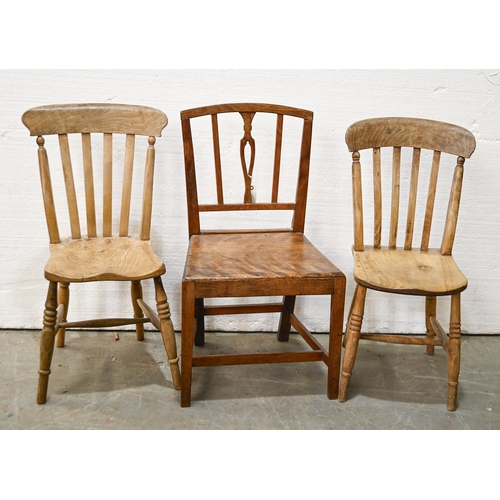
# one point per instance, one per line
(100, 383)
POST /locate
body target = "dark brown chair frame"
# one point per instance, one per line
(276, 262)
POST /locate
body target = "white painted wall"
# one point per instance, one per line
(470, 98)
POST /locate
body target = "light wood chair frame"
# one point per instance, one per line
(418, 134)
(106, 120)
(196, 286)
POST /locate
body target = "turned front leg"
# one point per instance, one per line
(454, 346)
(344, 340)
(352, 340)
(167, 332)
(47, 342)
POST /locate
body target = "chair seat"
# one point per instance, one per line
(97, 259)
(242, 262)
(408, 271)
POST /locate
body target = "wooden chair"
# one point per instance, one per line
(424, 271)
(99, 257)
(252, 262)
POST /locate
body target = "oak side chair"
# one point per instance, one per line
(422, 271)
(109, 130)
(245, 261)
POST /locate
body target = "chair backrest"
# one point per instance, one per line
(415, 134)
(259, 148)
(109, 130)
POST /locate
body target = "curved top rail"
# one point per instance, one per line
(410, 132)
(99, 118)
(246, 108)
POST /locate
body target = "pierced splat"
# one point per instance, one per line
(247, 169)
(295, 203)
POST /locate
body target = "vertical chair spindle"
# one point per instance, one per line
(396, 176)
(277, 158)
(127, 184)
(107, 186)
(70, 186)
(412, 199)
(89, 185)
(217, 160)
(431, 196)
(377, 199)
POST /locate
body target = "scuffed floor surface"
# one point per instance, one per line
(100, 383)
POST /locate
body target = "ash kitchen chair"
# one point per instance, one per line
(84, 131)
(246, 262)
(424, 271)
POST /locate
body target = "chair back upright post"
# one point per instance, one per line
(247, 142)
